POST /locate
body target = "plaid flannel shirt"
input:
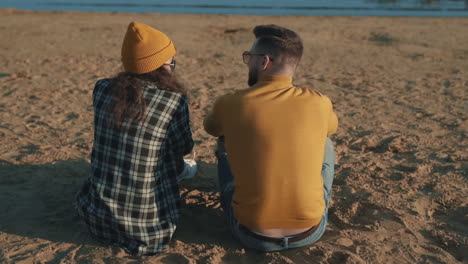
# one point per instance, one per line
(131, 197)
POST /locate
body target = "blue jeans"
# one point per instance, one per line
(226, 180)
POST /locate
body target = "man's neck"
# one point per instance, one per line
(282, 72)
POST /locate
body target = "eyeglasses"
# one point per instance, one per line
(172, 64)
(246, 55)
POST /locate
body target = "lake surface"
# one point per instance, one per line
(424, 8)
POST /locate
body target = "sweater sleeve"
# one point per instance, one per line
(332, 120)
(212, 122)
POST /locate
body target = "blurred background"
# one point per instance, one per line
(428, 8)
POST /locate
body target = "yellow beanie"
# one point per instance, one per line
(145, 49)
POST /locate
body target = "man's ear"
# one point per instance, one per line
(266, 61)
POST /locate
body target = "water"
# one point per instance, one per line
(424, 8)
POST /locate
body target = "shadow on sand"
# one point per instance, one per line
(39, 203)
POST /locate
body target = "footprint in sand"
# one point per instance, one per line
(10, 92)
(397, 176)
(70, 116)
(361, 215)
(32, 121)
(405, 169)
(176, 258)
(26, 150)
(340, 257)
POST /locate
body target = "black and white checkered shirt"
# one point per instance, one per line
(131, 197)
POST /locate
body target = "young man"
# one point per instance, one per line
(276, 170)
(141, 133)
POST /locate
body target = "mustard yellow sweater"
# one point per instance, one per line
(275, 137)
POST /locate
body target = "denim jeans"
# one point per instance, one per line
(226, 180)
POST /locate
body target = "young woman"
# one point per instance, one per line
(141, 133)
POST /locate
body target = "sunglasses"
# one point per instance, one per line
(246, 56)
(172, 64)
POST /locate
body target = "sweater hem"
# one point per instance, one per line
(280, 224)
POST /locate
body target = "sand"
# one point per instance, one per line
(399, 87)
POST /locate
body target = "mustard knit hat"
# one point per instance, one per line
(145, 49)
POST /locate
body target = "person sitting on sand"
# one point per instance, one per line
(141, 133)
(275, 157)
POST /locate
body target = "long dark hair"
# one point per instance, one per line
(128, 102)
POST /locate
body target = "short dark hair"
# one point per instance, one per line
(283, 44)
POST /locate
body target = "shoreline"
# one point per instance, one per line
(464, 14)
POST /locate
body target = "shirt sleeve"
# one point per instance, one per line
(180, 134)
(212, 122)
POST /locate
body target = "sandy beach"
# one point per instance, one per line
(399, 87)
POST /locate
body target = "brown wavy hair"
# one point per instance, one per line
(128, 102)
